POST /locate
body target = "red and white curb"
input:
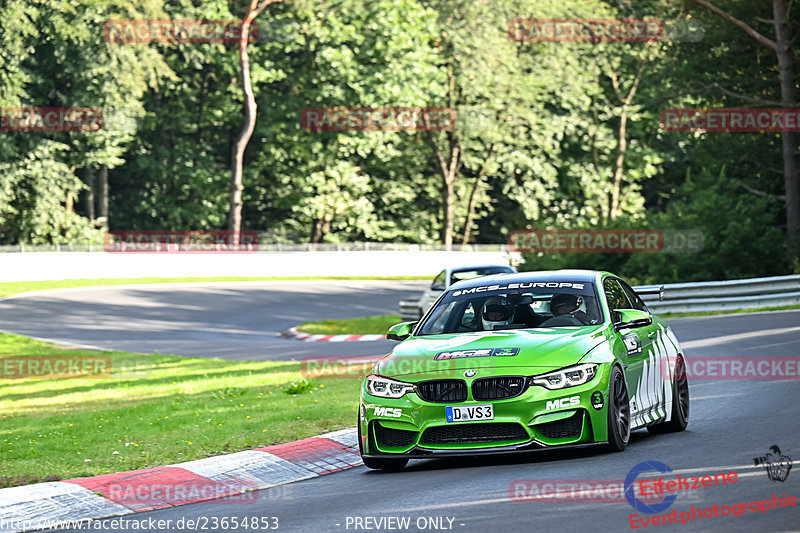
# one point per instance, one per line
(308, 337)
(233, 477)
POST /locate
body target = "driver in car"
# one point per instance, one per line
(566, 309)
(497, 313)
(565, 304)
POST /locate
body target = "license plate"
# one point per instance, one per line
(469, 413)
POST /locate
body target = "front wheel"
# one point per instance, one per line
(680, 402)
(619, 412)
(389, 463)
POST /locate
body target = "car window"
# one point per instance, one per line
(496, 307)
(634, 298)
(461, 275)
(439, 279)
(615, 295)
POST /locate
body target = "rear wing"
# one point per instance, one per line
(650, 289)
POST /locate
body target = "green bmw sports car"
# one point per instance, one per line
(524, 361)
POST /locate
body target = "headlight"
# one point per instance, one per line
(567, 377)
(387, 388)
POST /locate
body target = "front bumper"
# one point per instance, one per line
(536, 419)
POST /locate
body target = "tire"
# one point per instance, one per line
(680, 403)
(390, 463)
(619, 412)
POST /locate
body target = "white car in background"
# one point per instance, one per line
(451, 275)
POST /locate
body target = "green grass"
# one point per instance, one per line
(156, 410)
(354, 326)
(728, 312)
(16, 287)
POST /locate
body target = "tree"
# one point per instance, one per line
(782, 46)
(235, 212)
(316, 185)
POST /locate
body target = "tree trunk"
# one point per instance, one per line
(448, 191)
(622, 136)
(473, 195)
(89, 198)
(471, 210)
(782, 47)
(235, 208)
(70, 206)
(103, 200)
(783, 41)
(619, 164)
(321, 227)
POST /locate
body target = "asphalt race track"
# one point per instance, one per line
(731, 421)
(240, 320)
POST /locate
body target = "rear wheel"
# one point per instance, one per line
(619, 412)
(680, 402)
(389, 463)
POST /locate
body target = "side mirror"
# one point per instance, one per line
(437, 286)
(401, 331)
(630, 318)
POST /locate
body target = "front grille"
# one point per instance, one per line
(443, 390)
(400, 438)
(562, 429)
(474, 433)
(498, 388)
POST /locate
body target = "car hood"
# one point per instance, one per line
(539, 351)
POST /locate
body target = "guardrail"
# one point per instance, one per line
(699, 296)
(409, 310)
(726, 295)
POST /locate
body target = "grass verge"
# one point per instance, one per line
(15, 287)
(155, 410)
(353, 326)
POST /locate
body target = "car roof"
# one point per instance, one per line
(461, 268)
(585, 276)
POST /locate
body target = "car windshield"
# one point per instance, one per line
(461, 275)
(522, 305)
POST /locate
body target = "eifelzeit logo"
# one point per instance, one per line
(775, 463)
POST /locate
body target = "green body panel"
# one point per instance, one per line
(540, 351)
(645, 353)
(528, 409)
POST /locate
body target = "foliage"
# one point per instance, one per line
(544, 135)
